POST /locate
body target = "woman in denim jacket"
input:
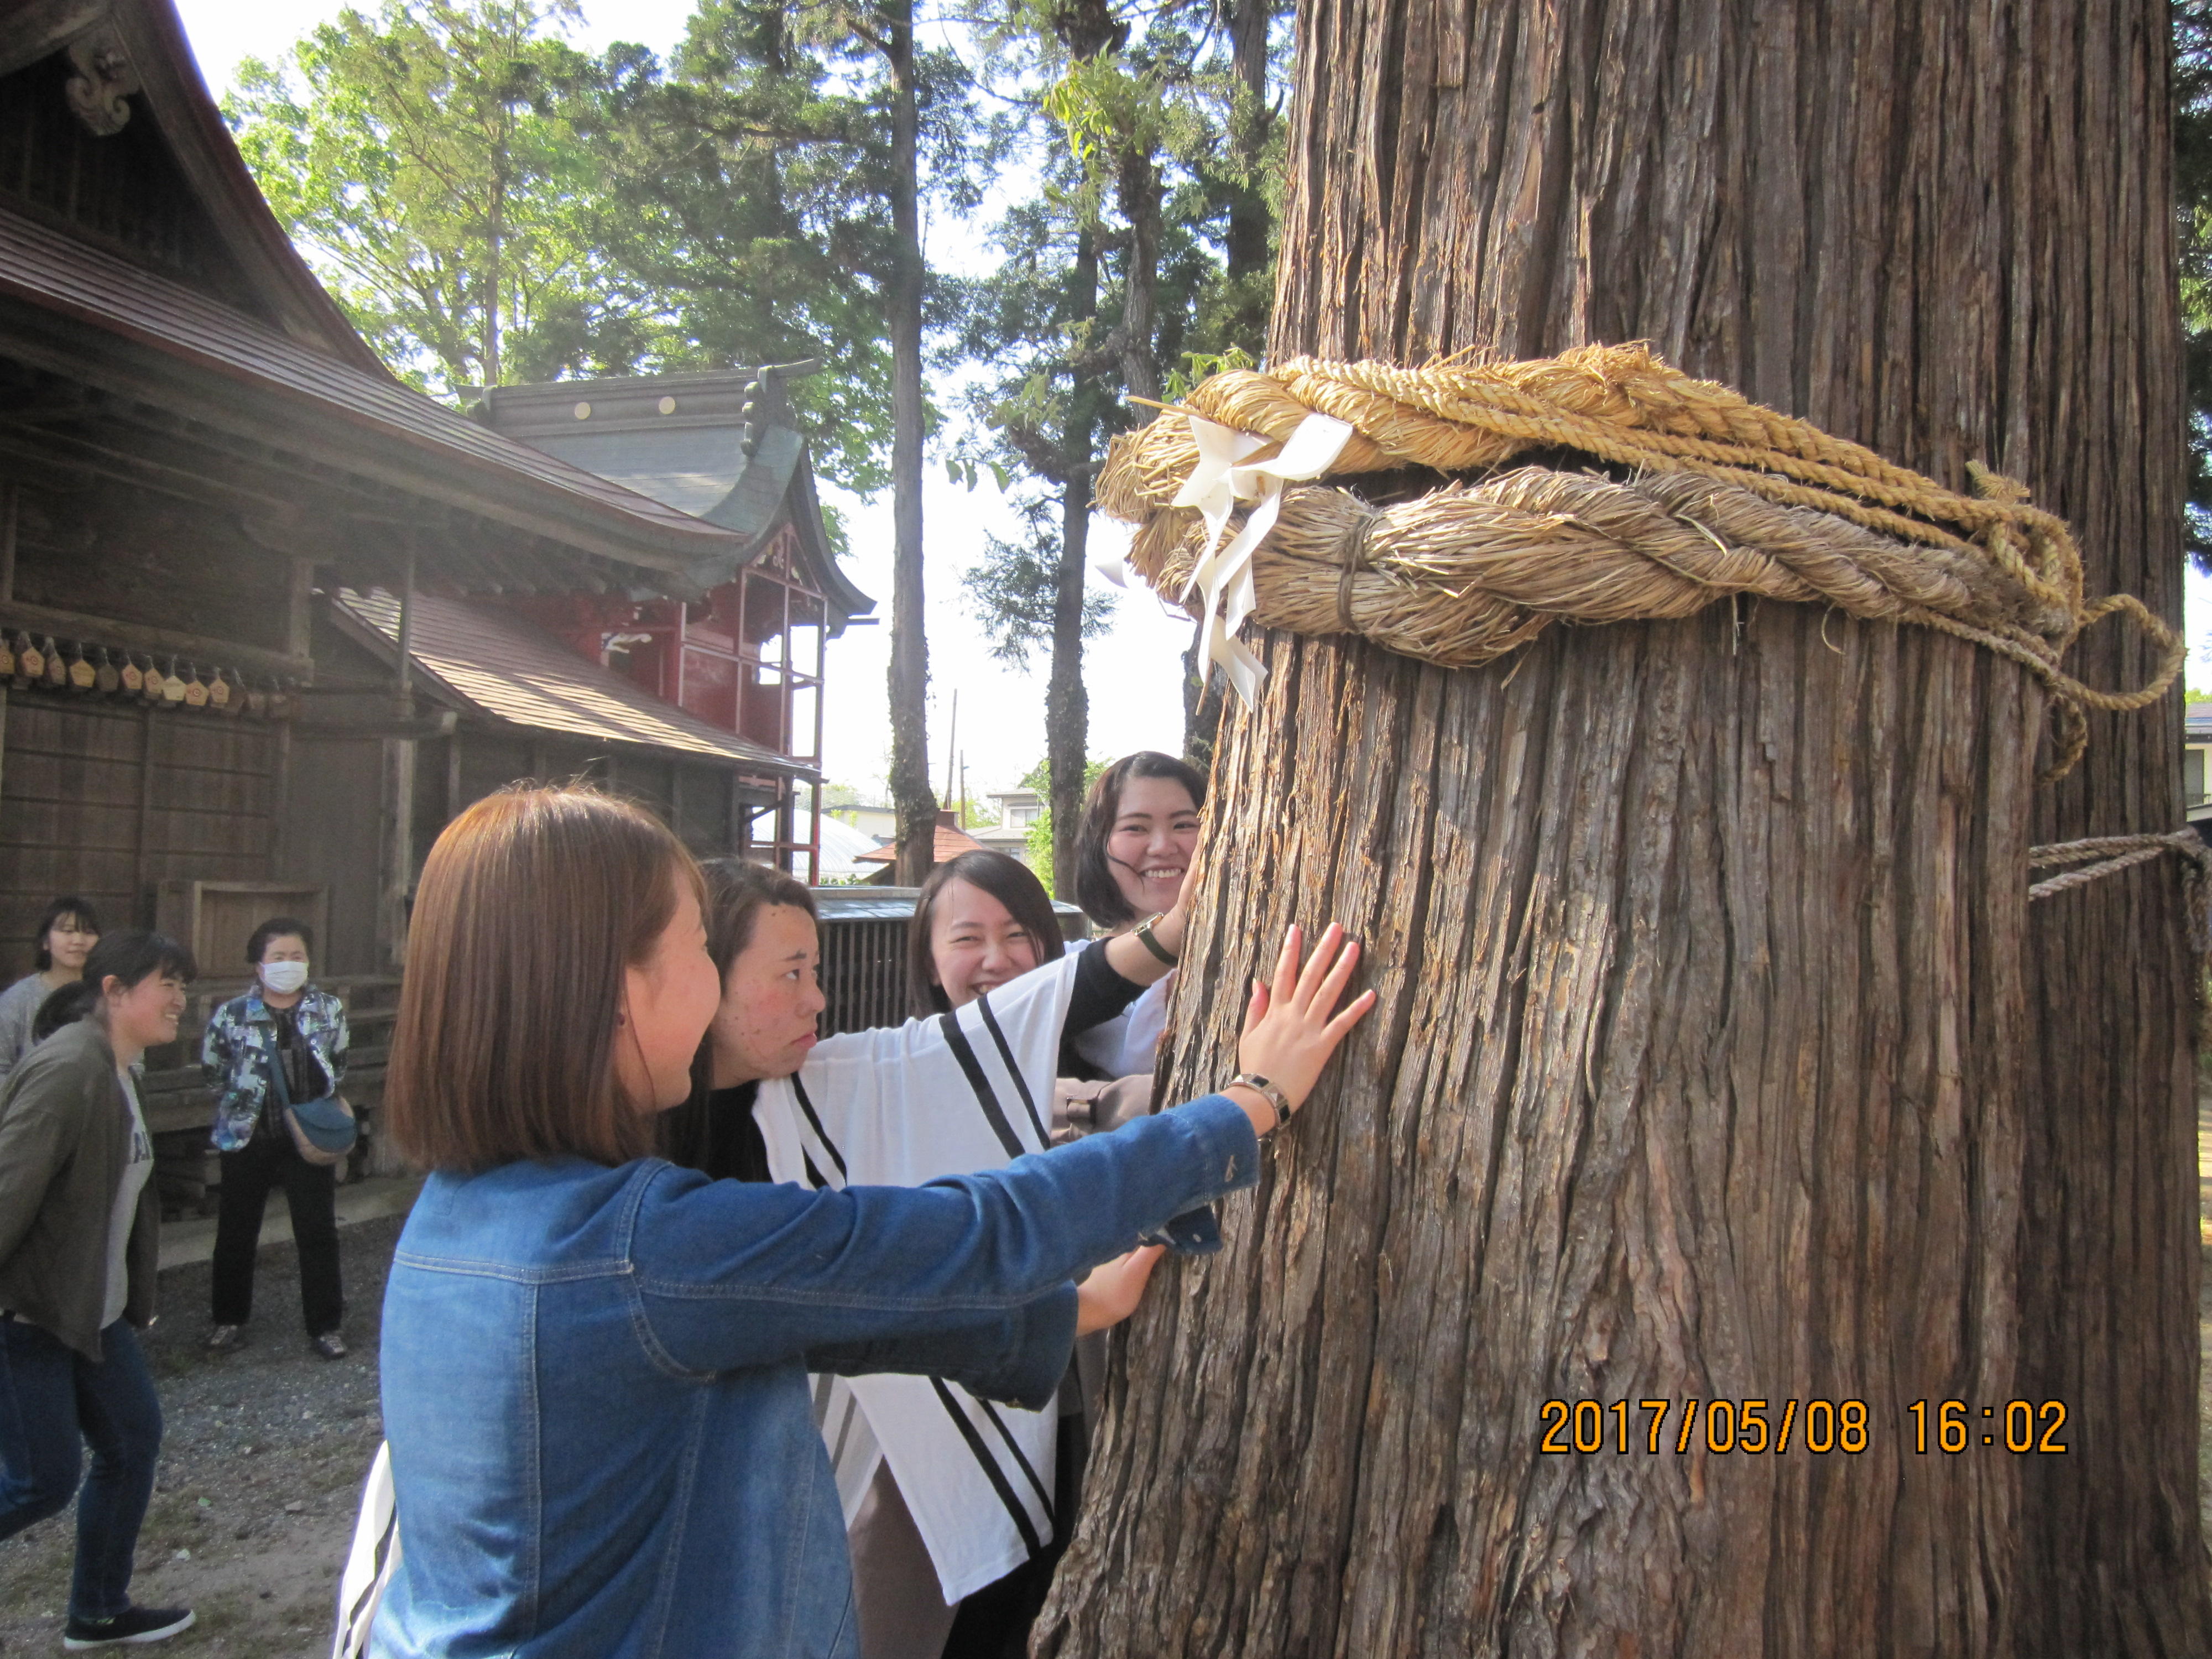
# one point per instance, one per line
(594, 1363)
(286, 1031)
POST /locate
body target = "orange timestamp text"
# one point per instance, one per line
(1779, 1426)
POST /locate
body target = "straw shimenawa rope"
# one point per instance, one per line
(2107, 855)
(1723, 497)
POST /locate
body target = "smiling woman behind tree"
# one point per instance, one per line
(1132, 854)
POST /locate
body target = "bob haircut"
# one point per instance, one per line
(133, 955)
(694, 1134)
(275, 928)
(531, 904)
(68, 908)
(1096, 889)
(1008, 880)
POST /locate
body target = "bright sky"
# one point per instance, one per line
(1133, 673)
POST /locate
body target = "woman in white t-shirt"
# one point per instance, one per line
(80, 1244)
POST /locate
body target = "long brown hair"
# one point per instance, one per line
(726, 1142)
(1008, 880)
(531, 904)
(1096, 889)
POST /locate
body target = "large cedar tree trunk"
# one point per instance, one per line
(1717, 1056)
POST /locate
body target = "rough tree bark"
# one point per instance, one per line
(1718, 1057)
(1247, 256)
(909, 666)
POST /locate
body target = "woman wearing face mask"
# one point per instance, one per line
(66, 933)
(80, 1240)
(618, 1459)
(283, 1043)
(1133, 852)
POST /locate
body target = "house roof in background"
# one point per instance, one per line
(489, 661)
(951, 844)
(841, 845)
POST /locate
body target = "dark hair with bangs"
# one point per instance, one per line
(530, 905)
(275, 928)
(1006, 879)
(695, 1134)
(1094, 885)
(131, 956)
(68, 908)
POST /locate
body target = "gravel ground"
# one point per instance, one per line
(262, 1463)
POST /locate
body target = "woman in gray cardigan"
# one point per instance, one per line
(79, 1225)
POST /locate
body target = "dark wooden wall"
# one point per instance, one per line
(126, 190)
(108, 799)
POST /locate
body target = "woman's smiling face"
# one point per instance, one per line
(1154, 837)
(976, 946)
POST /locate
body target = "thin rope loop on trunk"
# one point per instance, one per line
(1722, 497)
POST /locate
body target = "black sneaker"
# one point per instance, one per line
(130, 1626)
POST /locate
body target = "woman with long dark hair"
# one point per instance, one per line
(80, 1242)
(594, 1363)
(1133, 851)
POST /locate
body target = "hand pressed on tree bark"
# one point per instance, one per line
(1109, 1292)
(1291, 1028)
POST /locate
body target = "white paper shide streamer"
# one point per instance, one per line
(1216, 484)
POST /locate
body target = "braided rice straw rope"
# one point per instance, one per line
(1726, 497)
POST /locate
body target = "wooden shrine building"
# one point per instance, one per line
(268, 617)
(747, 657)
(208, 484)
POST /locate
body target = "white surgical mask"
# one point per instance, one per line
(283, 977)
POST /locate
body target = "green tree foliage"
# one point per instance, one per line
(2192, 182)
(1010, 592)
(747, 185)
(417, 158)
(492, 206)
(1145, 258)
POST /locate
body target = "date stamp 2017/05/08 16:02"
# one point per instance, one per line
(1779, 1426)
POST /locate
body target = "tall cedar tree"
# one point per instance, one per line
(840, 95)
(2192, 191)
(1148, 245)
(1720, 1056)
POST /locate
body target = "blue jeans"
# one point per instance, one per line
(51, 1397)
